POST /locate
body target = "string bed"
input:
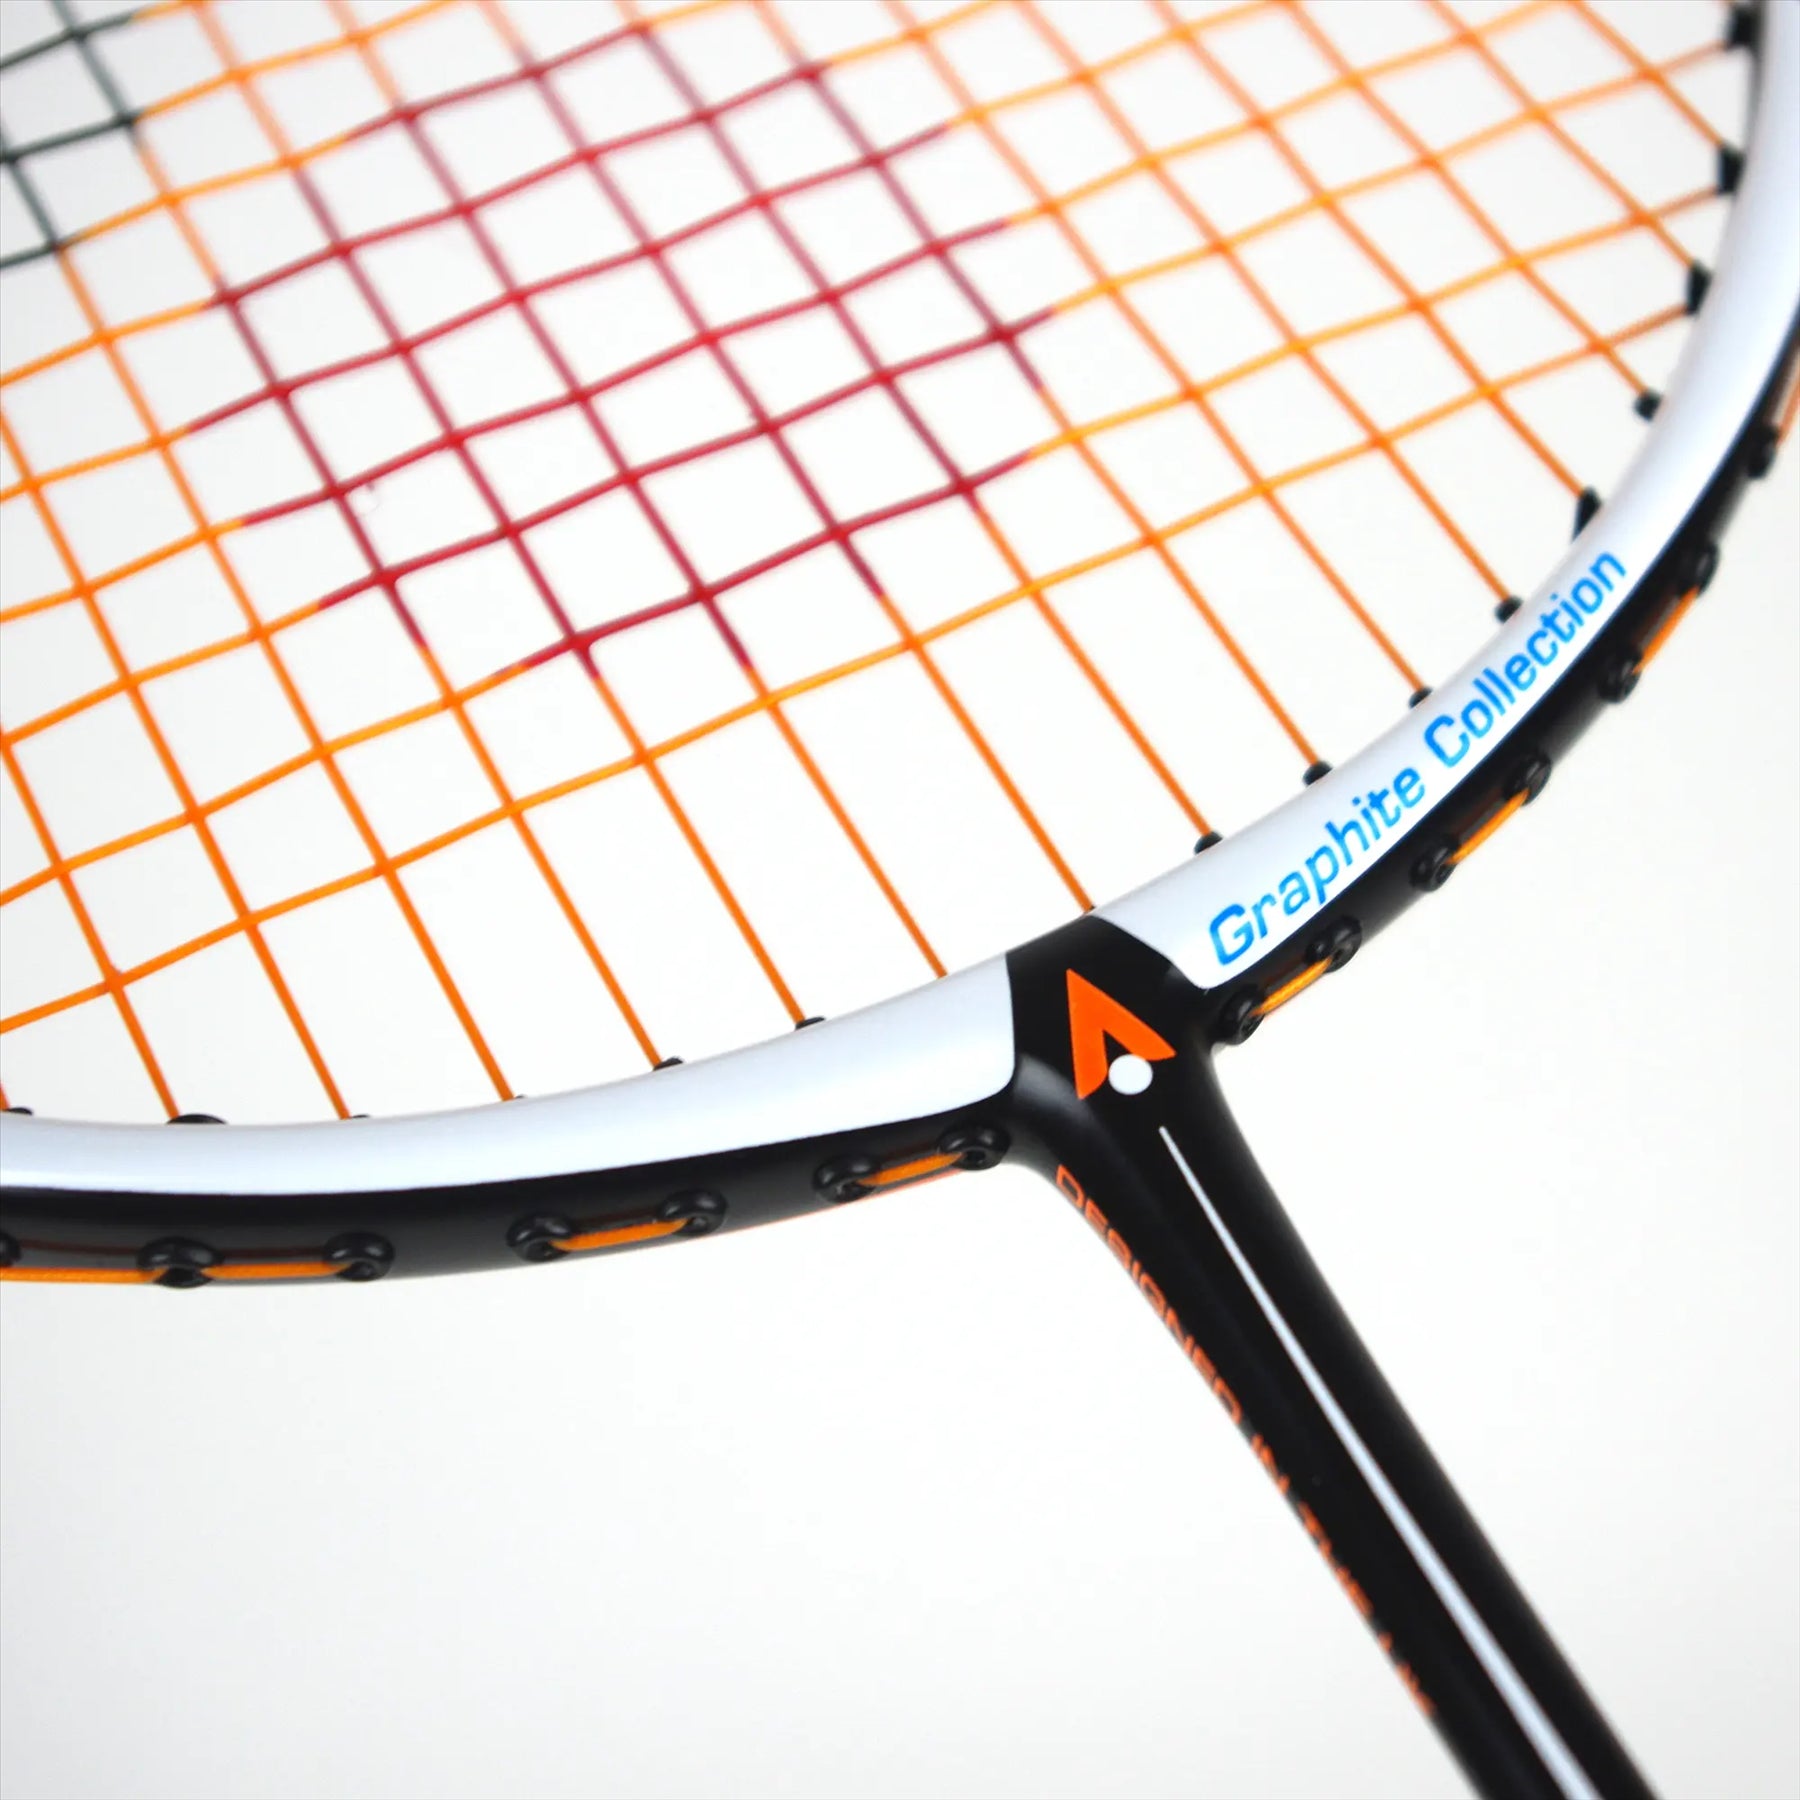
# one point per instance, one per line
(538, 538)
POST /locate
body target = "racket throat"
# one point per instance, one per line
(1116, 1101)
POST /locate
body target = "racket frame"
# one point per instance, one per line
(765, 1127)
(1006, 1059)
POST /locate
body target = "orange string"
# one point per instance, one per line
(933, 44)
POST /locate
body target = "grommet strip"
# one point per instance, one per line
(615, 1237)
(1529, 784)
(1486, 830)
(547, 1237)
(186, 1263)
(1663, 633)
(103, 1277)
(856, 1176)
(263, 1271)
(1325, 953)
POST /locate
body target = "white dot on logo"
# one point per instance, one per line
(1129, 1074)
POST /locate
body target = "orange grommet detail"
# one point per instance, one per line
(1665, 631)
(110, 1277)
(1486, 830)
(1294, 985)
(613, 1236)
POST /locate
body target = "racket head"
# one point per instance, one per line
(904, 1086)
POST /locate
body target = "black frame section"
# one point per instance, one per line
(455, 1230)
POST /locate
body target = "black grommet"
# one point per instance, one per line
(699, 1208)
(668, 1062)
(1740, 28)
(1586, 505)
(1731, 168)
(179, 1262)
(974, 1146)
(9, 1245)
(816, 1019)
(1238, 1017)
(1759, 451)
(1508, 607)
(1533, 777)
(1620, 677)
(1317, 772)
(1433, 867)
(844, 1177)
(196, 1119)
(534, 1238)
(1207, 842)
(1335, 945)
(1702, 567)
(360, 1255)
(1647, 403)
(1418, 697)
(1699, 279)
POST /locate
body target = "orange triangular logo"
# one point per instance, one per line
(1093, 1018)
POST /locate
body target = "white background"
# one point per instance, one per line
(917, 1501)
